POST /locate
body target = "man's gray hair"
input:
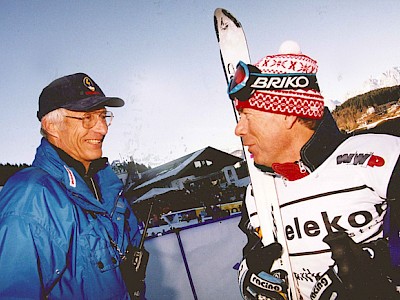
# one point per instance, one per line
(55, 116)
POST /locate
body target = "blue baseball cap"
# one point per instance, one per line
(77, 92)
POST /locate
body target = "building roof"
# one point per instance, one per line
(155, 192)
(200, 163)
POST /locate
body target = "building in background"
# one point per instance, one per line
(200, 187)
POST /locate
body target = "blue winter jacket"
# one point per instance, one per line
(55, 235)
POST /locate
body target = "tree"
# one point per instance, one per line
(7, 170)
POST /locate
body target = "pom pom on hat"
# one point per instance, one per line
(306, 103)
(289, 47)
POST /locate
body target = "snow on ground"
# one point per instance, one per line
(211, 251)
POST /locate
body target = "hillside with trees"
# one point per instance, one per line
(7, 170)
(368, 108)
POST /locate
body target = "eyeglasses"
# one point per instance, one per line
(248, 78)
(89, 120)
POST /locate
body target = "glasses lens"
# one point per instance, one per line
(108, 116)
(240, 87)
(240, 75)
(239, 79)
(90, 120)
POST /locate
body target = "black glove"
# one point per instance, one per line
(361, 271)
(256, 280)
(329, 286)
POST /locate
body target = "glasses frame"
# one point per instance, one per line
(89, 118)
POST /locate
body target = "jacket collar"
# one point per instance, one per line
(110, 185)
(94, 166)
(322, 143)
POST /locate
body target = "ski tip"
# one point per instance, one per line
(217, 11)
(217, 15)
(222, 12)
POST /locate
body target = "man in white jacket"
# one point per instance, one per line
(334, 190)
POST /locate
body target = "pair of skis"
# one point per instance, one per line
(233, 48)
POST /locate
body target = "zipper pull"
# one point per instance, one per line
(302, 167)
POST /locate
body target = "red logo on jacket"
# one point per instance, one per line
(363, 159)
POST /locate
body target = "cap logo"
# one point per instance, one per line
(88, 83)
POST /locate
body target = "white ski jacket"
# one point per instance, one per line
(350, 181)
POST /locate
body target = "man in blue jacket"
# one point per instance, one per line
(65, 225)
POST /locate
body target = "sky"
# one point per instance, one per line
(162, 58)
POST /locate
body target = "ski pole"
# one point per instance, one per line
(146, 227)
(176, 230)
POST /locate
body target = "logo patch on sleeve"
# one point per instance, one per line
(362, 159)
(71, 177)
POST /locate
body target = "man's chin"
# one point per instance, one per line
(257, 159)
(97, 155)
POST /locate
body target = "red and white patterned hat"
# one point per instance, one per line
(306, 103)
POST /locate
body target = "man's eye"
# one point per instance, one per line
(243, 115)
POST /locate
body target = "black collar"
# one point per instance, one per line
(94, 166)
(326, 138)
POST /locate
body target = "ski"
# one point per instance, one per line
(233, 47)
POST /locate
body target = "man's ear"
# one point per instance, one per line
(50, 128)
(290, 121)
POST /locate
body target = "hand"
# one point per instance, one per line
(256, 280)
(329, 286)
(361, 271)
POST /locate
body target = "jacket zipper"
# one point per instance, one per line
(303, 167)
(95, 190)
(115, 203)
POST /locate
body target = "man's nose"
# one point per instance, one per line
(241, 128)
(101, 126)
